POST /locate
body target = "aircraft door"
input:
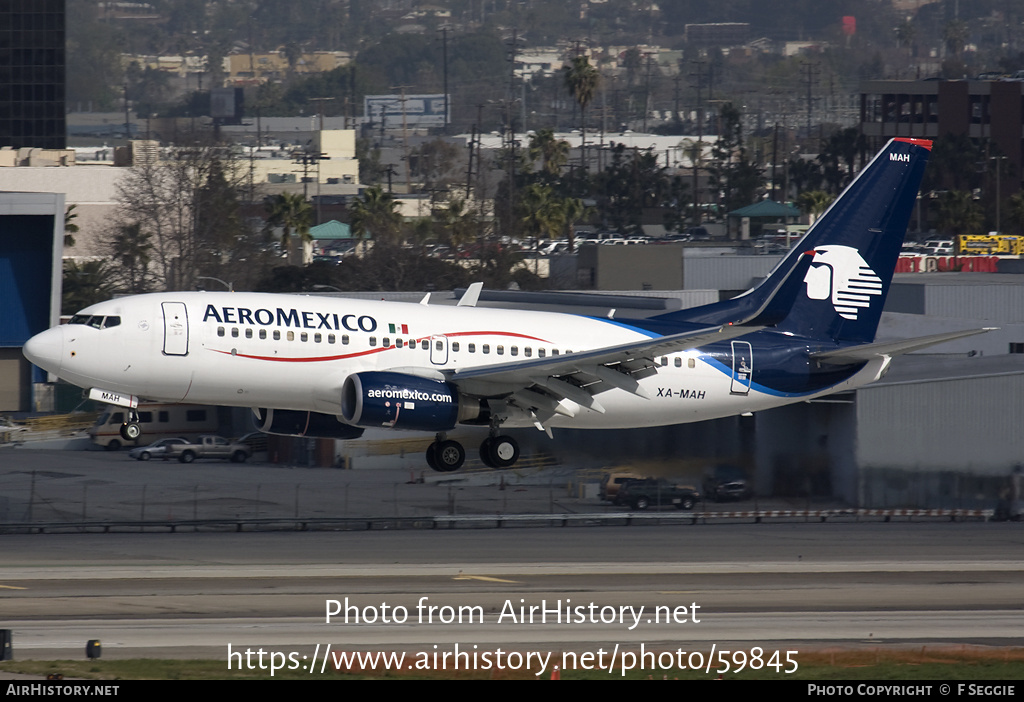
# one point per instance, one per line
(742, 367)
(175, 329)
(439, 350)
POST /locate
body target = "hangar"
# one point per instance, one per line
(31, 242)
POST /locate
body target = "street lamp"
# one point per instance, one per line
(229, 286)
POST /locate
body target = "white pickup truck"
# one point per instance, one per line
(209, 446)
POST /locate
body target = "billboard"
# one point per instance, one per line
(419, 110)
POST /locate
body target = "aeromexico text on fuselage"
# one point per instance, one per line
(300, 319)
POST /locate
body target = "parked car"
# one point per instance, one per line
(650, 492)
(727, 482)
(157, 449)
(612, 482)
(211, 447)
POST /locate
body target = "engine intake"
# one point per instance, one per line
(403, 401)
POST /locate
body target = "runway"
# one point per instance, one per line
(774, 586)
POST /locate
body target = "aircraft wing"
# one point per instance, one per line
(865, 352)
(541, 384)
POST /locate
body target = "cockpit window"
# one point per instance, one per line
(96, 321)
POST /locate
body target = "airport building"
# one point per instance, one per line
(32, 63)
(984, 110)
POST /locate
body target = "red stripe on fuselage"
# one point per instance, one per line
(318, 359)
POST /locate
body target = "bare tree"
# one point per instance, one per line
(186, 206)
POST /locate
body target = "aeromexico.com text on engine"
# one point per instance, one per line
(408, 394)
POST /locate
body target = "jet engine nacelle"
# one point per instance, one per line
(308, 424)
(403, 401)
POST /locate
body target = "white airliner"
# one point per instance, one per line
(316, 366)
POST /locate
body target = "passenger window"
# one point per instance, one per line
(472, 348)
(277, 335)
(248, 333)
(220, 331)
(291, 336)
(679, 362)
(344, 339)
(317, 338)
(373, 341)
(399, 343)
(386, 342)
(439, 346)
(304, 336)
(514, 350)
(330, 338)
(690, 363)
(541, 353)
(263, 333)
(234, 332)
(527, 352)
(455, 346)
(486, 348)
(500, 350)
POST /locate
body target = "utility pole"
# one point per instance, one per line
(405, 138)
(812, 69)
(444, 55)
(320, 150)
(698, 151)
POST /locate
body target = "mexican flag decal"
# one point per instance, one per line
(398, 328)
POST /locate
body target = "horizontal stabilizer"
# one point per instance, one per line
(865, 352)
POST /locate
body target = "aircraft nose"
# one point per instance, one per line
(46, 350)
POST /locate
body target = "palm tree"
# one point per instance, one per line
(458, 222)
(814, 203)
(376, 214)
(545, 214)
(85, 284)
(70, 228)
(131, 249)
(959, 213)
(292, 213)
(582, 79)
(551, 152)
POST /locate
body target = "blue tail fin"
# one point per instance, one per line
(856, 244)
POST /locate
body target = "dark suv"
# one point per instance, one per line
(641, 494)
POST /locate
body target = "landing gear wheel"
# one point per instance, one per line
(432, 457)
(130, 431)
(449, 455)
(503, 451)
(485, 452)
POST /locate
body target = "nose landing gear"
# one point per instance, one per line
(131, 430)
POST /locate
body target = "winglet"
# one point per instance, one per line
(470, 297)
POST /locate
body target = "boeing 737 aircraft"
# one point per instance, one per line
(330, 367)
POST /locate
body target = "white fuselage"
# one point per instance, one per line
(294, 352)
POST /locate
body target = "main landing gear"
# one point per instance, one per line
(131, 430)
(446, 455)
